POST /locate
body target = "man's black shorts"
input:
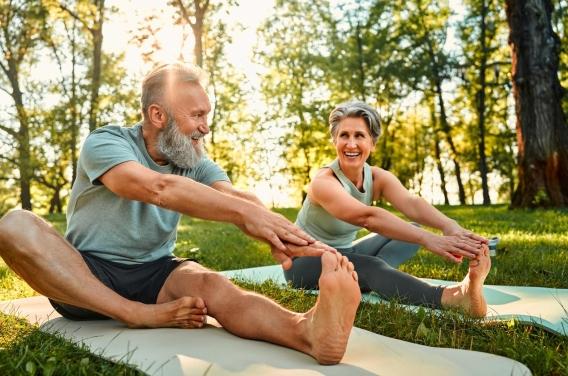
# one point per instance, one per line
(139, 282)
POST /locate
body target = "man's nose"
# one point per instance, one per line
(204, 127)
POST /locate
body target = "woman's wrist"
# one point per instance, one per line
(426, 238)
(451, 227)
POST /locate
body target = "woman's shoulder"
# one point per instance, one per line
(381, 179)
(321, 183)
(380, 173)
(324, 173)
(376, 173)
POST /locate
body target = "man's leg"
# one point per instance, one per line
(322, 332)
(52, 267)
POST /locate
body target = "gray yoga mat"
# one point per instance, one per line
(213, 351)
(545, 307)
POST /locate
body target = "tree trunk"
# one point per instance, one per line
(97, 34)
(542, 133)
(441, 172)
(198, 48)
(23, 138)
(437, 154)
(446, 129)
(437, 82)
(73, 103)
(55, 205)
(199, 12)
(480, 102)
(384, 145)
(361, 63)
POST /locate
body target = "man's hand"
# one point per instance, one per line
(454, 247)
(274, 229)
(315, 249)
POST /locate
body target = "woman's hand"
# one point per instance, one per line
(454, 247)
(455, 229)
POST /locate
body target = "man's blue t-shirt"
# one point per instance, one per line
(115, 228)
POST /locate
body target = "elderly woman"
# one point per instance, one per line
(339, 203)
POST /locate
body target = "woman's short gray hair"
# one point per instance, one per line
(157, 82)
(356, 109)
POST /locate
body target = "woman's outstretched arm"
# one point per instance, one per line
(327, 192)
(415, 207)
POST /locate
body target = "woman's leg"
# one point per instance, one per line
(374, 275)
(394, 252)
(304, 273)
(378, 276)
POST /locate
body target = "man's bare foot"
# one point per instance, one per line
(468, 295)
(186, 312)
(331, 319)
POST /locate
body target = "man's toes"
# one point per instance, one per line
(199, 318)
(328, 262)
(198, 311)
(199, 303)
(350, 267)
(198, 323)
(344, 262)
(355, 275)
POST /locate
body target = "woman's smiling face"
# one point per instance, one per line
(353, 142)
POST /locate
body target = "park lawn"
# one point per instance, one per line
(533, 252)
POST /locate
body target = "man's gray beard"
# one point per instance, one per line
(179, 148)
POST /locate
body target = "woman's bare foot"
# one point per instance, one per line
(331, 319)
(185, 312)
(468, 295)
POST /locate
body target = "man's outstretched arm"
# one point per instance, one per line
(284, 257)
(133, 181)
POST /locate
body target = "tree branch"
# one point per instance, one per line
(51, 43)
(5, 91)
(4, 68)
(184, 13)
(10, 131)
(13, 161)
(75, 16)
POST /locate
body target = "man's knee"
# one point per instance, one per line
(17, 223)
(14, 220)
(214, 281)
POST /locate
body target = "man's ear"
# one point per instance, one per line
(157, 116)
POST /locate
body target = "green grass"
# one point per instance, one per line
(533, 252)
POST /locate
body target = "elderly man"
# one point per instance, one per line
(117, 262)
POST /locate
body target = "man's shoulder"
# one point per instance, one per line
(116, 130)
(114, 135)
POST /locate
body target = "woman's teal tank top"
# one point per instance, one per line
(326, 228)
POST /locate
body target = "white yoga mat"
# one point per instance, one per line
(213, 351)
(545, 307)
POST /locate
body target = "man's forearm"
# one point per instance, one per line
(197, 200)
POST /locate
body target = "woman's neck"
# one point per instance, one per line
(354, 174)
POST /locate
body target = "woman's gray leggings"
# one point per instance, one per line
(375, 259)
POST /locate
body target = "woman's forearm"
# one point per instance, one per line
(389, 225)
(427, 215)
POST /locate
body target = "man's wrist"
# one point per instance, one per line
(246, 210)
